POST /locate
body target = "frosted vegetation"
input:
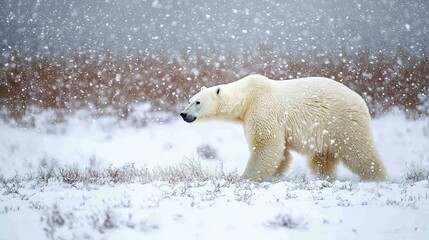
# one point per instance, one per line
(130, 202)
(113, 85)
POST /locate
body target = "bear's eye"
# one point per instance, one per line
(197, 102)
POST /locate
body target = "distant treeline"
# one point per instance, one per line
(109, 84)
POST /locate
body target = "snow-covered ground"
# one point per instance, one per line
(103, 142)
(296, 207)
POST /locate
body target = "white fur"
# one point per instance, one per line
(317, 117)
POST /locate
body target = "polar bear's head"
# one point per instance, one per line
(228, 101)
(205, 104)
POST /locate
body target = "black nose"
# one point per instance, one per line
(183, 115)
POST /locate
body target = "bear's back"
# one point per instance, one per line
(319, 89)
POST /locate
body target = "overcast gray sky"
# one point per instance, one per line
(288, 26)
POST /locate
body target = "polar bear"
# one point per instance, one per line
(317, 117)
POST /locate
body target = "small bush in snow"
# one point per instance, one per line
(416, 173)
(45, 174)
(288, 221)
(121, 175)
(349, 186)
(108, 221)
(207, 152)
(231, 178)
(184, 172)
(244, 192)
(70, 175)
(11, 185)
(53, 220)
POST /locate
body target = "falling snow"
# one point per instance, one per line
(94, 87)
(121, 25)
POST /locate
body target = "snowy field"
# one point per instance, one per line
(91, 178)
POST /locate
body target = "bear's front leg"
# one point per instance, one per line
(265, 157)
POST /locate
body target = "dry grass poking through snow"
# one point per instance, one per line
(71, 203)
(191, 171)
(416, 172)
(187, 171)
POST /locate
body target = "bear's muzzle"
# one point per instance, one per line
(187, 118)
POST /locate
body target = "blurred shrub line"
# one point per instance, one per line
(108, 84)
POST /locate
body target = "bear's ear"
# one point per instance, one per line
(202, 88)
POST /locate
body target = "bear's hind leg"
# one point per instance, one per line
(324, 165)
(366, 164)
